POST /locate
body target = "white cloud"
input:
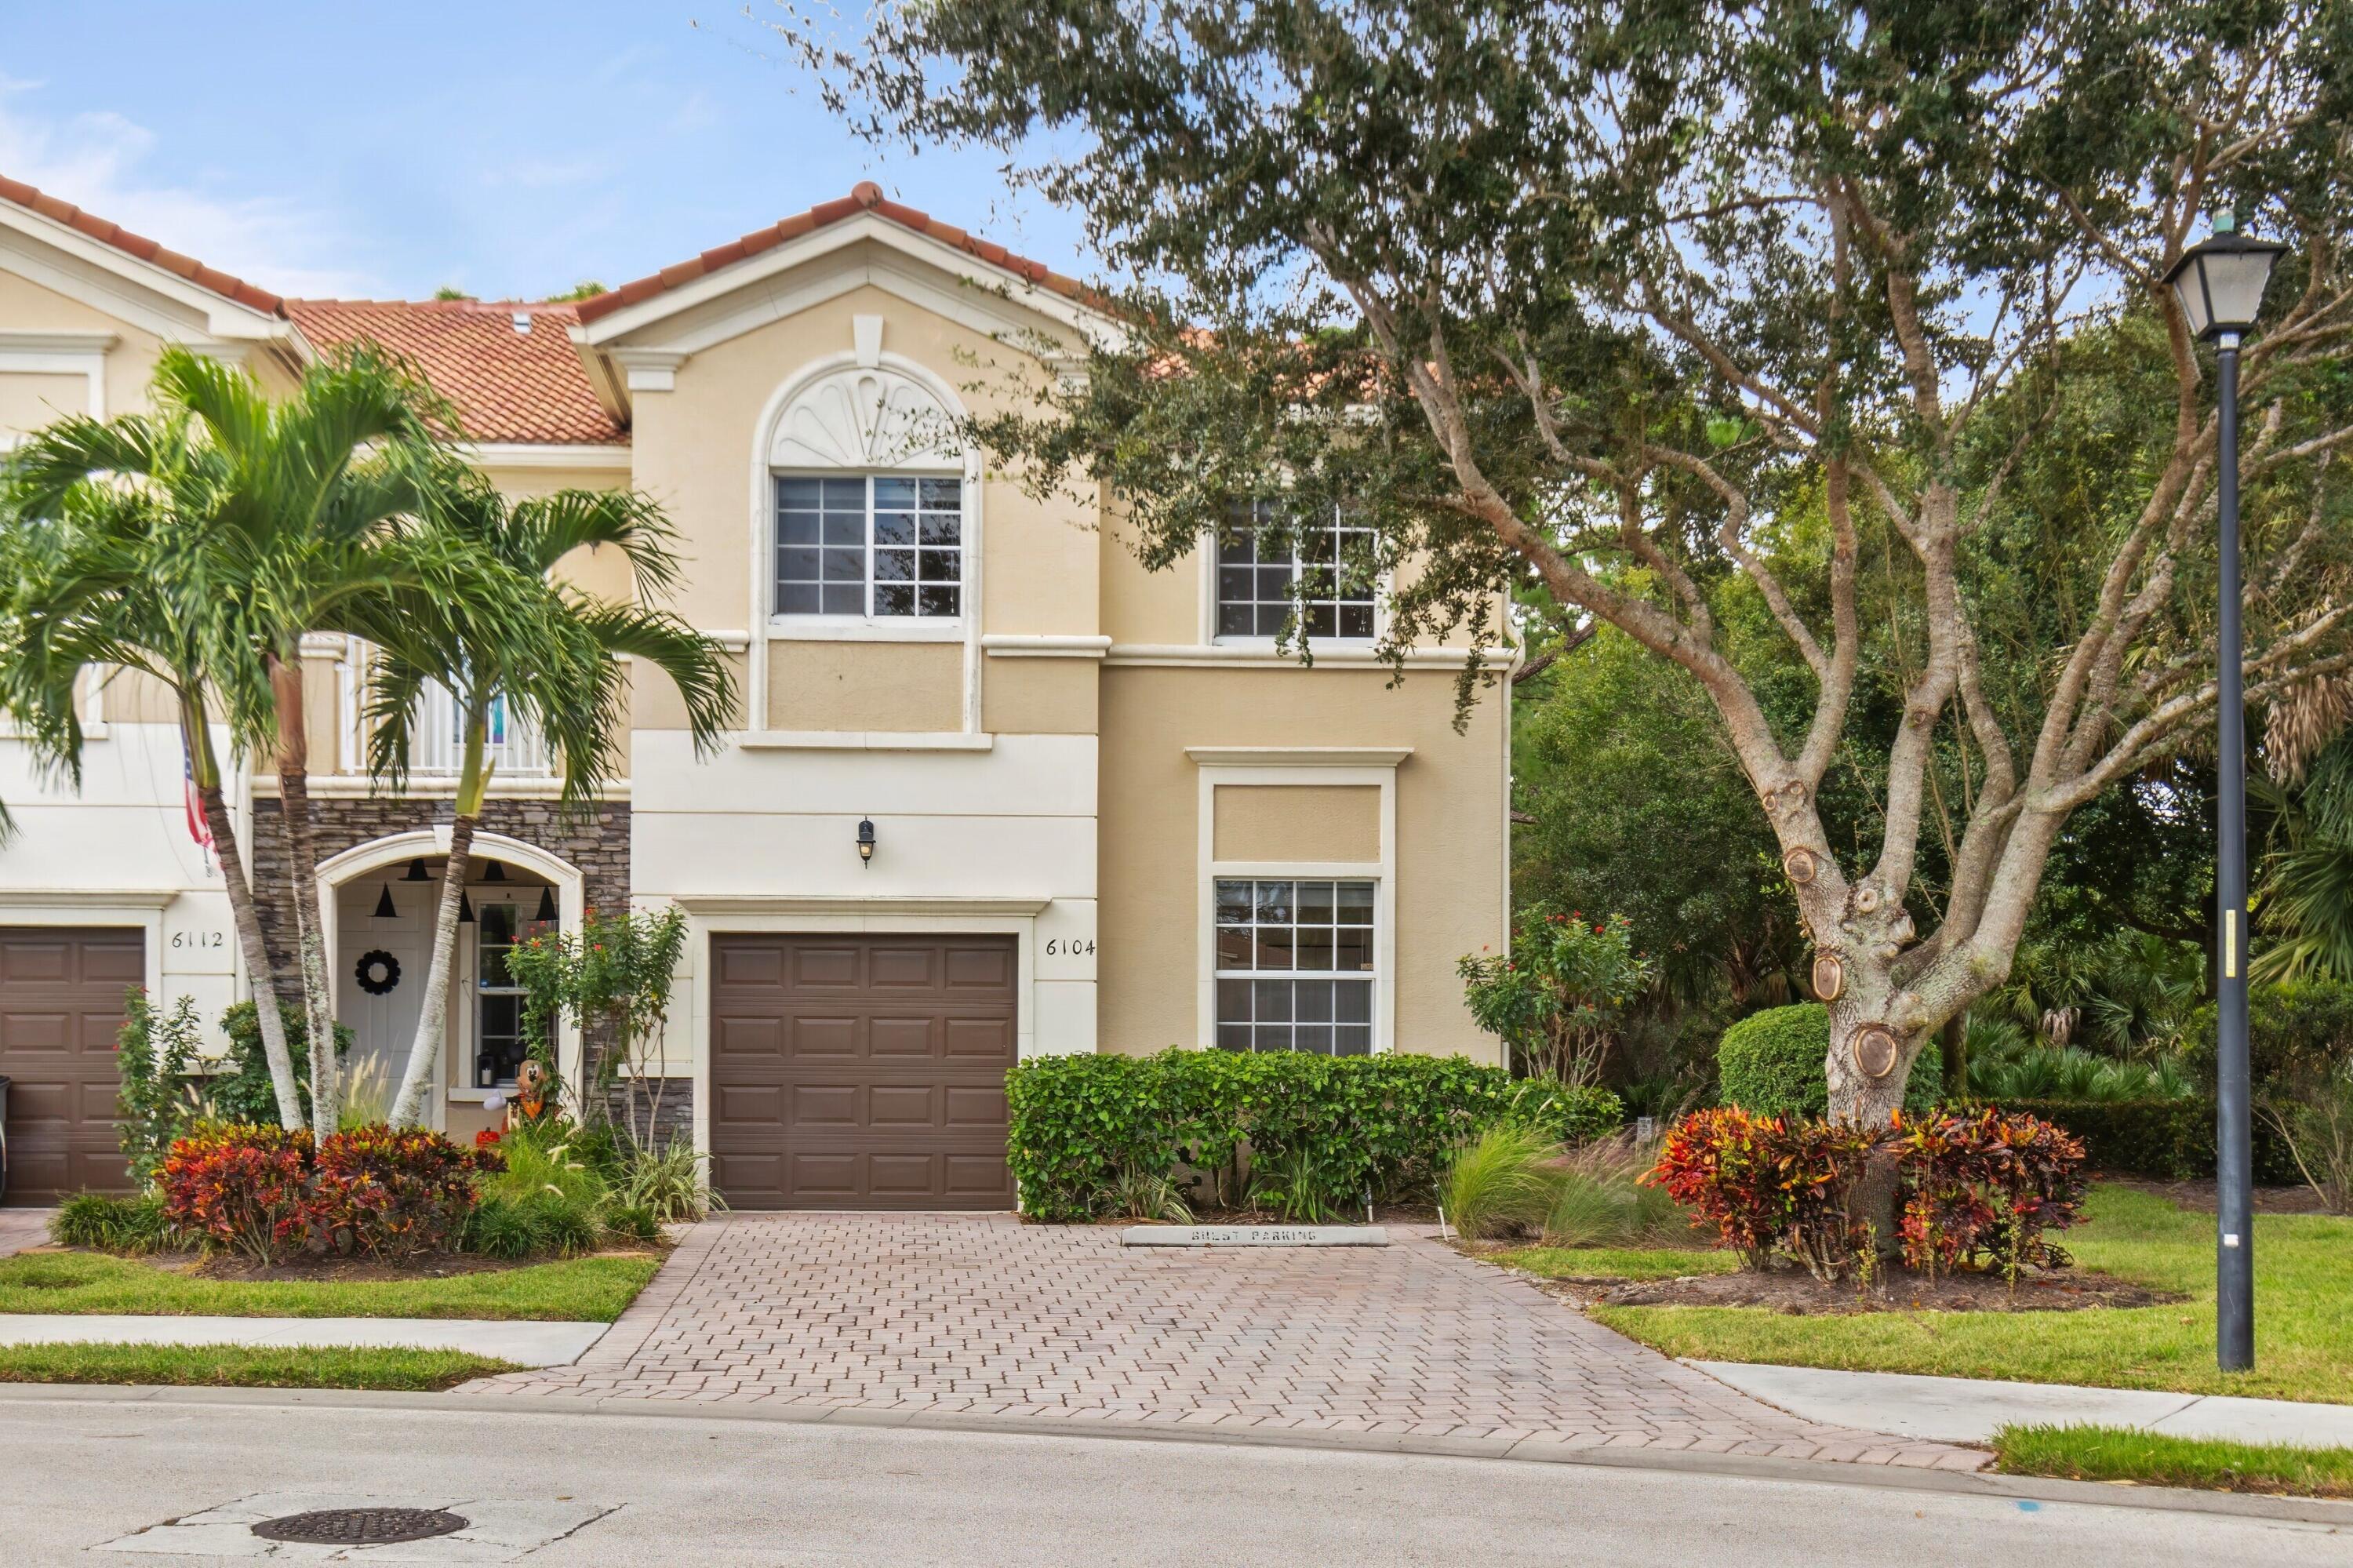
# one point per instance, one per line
(94, 161)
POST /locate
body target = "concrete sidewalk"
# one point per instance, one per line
(1969, 1410)
(526, 1344)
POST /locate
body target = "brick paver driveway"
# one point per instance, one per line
(982, 1315)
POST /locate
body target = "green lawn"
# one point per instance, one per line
(2304, 1316)
(2122, 1454)
(244, 1366)
(581, 1289)
(1615, 1262)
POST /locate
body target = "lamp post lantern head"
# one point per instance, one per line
(865, 840)
(2220, 281)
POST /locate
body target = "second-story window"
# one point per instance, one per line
(1332, 567)
(881, 546)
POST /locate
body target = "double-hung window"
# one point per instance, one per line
(1322, 574)
(1296, 966)
(881, 546)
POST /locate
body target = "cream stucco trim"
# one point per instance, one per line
(571, 893)
(1027, 645)
(755, 914)
(1299, 756)
(94, 267)
(1224, 765)
(594, 455)
(865, 740)
(81, 353)
(1261, 654)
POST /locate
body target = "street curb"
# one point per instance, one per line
(1977, 1483)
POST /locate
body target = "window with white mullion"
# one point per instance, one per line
(1296, 964)
(882, 546)
(1322, 574)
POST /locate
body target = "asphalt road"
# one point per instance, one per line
(710, 1493)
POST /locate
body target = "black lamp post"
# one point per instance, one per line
(2221, 286)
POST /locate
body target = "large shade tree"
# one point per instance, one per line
(1596, 297)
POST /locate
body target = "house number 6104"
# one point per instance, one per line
(1077, 947)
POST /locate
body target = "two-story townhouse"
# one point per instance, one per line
(995, 790)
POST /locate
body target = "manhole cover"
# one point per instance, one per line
(360, 1526)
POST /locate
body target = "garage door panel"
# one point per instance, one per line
(743, 965)
(747, 1037)
(892, 1075)
(896, 968)
(61, 1000)
(747, 1105)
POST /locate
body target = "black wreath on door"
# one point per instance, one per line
(378, 971)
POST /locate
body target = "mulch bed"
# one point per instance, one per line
(1799, 1295)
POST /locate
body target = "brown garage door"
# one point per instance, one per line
(860, 1072)
(61, 992)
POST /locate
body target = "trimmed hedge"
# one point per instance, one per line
(1776, 1063)
(1344, 1123)
(2164, 1140)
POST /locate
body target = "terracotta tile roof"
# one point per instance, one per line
(138, 245)
(866, 197)
(507, 386)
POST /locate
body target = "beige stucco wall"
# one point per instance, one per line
(1449, 872)
(28, 306)
(1038, 696)
(895, 687)
(30, 400)
(1297, 822)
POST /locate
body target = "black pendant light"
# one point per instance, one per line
(546, 906)
(465, 908)
(416, 871)
(384, 909)
(495, 871)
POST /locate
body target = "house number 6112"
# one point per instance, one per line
(1077, 947)
(198, 939)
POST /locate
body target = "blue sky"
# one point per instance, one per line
(382, 150)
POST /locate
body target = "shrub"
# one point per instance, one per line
(1776, 1063)
(2164, 1140)
(666, 1183)
(105, 1223)
(498, 1227)
(558, 1202)
(155, 1053)
(1600, 1199)
(1986, 1188)
(244, 1094)
(244, 1187)
(1769, 1184)
(1320, 1133)
(1555, 995)
(393, 1193)
(633, 1221)
(1499, 1182)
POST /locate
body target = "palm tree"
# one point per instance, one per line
(300, 499)
(106, 572)
(552, 657)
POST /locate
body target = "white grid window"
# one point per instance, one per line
(1296, 966)
(1332, 567)
(879, 546)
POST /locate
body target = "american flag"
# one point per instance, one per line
(198, 828)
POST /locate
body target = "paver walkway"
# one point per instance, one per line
(982, 1314)
(21, 1228)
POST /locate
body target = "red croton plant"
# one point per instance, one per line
(1976, 1188)
(267, 1193)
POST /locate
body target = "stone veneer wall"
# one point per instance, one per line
(598, 842)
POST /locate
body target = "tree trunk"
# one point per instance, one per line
(1956, 1058)
(417, 1078)
(302, 874)
(260, 971)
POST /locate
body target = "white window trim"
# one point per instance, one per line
(760, 586)
(1239, 646)
(1304, 767)
(807, 628)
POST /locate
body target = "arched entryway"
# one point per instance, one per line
(378, 900)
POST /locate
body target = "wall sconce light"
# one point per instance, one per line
(865, 841)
